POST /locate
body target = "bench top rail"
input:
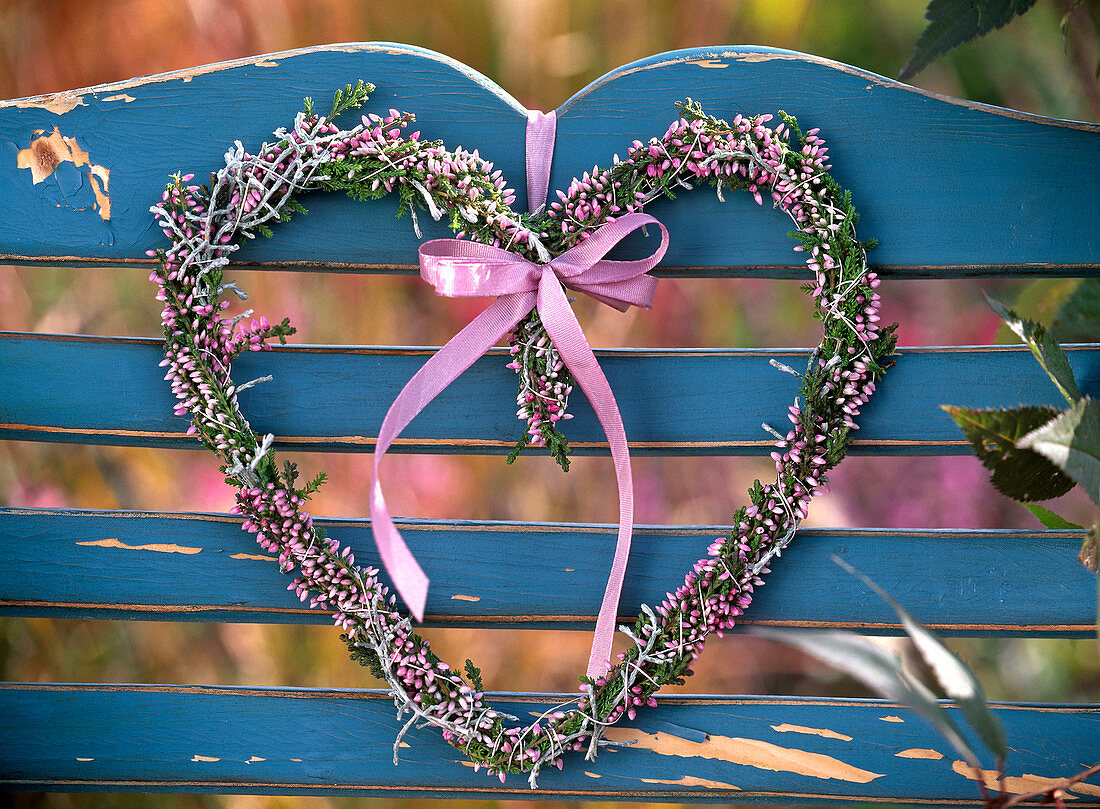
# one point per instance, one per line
(980, 178)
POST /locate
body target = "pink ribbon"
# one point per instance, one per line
(458, 268)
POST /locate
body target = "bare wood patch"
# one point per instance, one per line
(691, 781)
(112, 542)
(259, 557)
(920, 752)
(1019, 784)
(823, 732)
(747, 752)
(47, 152)
(57, 103)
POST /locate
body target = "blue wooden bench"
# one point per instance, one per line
(949, 188)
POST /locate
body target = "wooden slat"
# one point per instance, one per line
(697, 402)
(913, 161)
(157, 566)
(311, 742)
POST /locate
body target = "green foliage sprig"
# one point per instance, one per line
(1039, 452)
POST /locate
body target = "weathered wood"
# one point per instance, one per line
(892, 145)
(708, 402)
(147, 565)
(313, 742)
(949, 188)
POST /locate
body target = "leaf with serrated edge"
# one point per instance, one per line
(1071, 441)
(954, 676)
(953, 22)
(1043, 346)
(1017, 473)
(1049, 519)
(878, 670)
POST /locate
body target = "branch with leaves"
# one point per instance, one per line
(1038, 452)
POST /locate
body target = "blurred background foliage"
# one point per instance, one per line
(542, 52)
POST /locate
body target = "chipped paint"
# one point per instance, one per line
(890, 719)
(78, 758)
(570, 569)
(711, 63)
(123, 97)
(840, 67)
(592, 774)
(197, 757)
(267, 63)
(57, 103)
(259, 557)
(98, 174)
(920, 752)
(825, 732)
(254, 759)
(112, 542)
(271, 59)
(747, 752)
(765, 57)
(690, 781)
(295, 759)
(1019, 784)
(47, 152)
(460, 597)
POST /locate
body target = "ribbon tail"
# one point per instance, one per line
(562, 326)
(441, 369)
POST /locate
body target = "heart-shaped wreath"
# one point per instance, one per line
(206, 224)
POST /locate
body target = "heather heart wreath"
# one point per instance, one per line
(375, 158)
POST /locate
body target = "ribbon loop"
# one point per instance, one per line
(458, 268)
(462, 269)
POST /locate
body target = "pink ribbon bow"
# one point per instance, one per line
(459, 268)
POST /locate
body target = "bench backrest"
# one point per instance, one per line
(949, 189)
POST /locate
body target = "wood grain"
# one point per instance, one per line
(949, 188)
(185, 567)
(982, 179)
(685, 402)
(311, 742)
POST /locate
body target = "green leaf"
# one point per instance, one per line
(955, 677)
(1048, 518)
(473, 675)
(954, 22)
(1076, 320)
(1071, 441)
(1044, 347)
(1021, 474)
(878, 670)
(1090, 548)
